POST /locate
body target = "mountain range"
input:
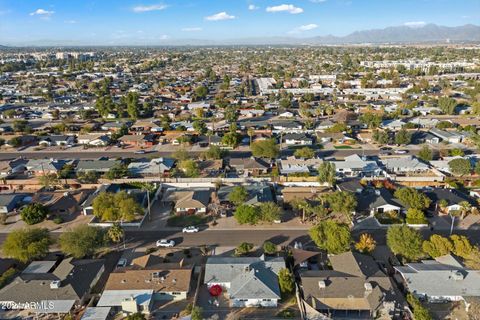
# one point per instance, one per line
(428, 33)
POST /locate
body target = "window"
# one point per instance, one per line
(266, 299)
(176, 293)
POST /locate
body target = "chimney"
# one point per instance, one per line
(322, 284)
(368, 287)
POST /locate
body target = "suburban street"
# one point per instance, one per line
(340, 153)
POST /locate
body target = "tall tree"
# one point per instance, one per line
(326, 173)
(405, 241)
(333, 237)
(27, 244)
(81, 241)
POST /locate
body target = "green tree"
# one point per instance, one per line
(181, 154)
(34, 213)
(447, 105)
(199, 127)
(419, 311)
(460, 166)
(265, 149)
(118, 171)
(405, 241)
(403, 137)
(201, 92)
(326, 173)
(437, 246)
(425, 153)
(214, 153)
(136, 316)
(238, 195)
(461, 246)
(286, 281)
(48, 180)
(412, 198)
(245, 214)
(243, 249)
(305, 153)
(269, 247)
(416, 216)
(115, 233)
(81, 241)
(27, 244)
(371, 120)
(189, 168)
(114, 207)
(230, 139)
(131, 100)
(343, 202)
(331, 236)
(380, 137)
(197, 313)
(88, 177)
(269, 212)
(456, 152)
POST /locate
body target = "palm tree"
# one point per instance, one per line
(251, 133)
(465, 207)
(304, 206)
(115, 233)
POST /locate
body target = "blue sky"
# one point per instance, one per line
(156, 21)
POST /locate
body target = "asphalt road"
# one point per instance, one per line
(232, 238)
(340, 153)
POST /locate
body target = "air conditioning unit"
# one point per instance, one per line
(55, 284)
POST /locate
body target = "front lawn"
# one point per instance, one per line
(186, 220)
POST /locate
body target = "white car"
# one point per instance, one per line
(140, 152)
(165, 243)
(401, 151)
(190, 229)
(122, 263)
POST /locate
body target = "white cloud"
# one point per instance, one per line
(42, 12)
(70, 21)
(290, 8)
(415, 24)
(220, 16)
(154, 7)
(305, 27)
(192, 29)
(253, 7)
(164, 37)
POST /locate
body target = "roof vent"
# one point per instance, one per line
(457, 275)
(55, 284)
(368, 286)
(322, 284)
(247, 269)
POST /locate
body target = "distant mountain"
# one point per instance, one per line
(429, 33)
(406, 34)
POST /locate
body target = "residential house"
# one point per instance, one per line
(404, 165)
(393, 125)
(356, 166)
(293, 165)
(56, 287)
(248, 281)
(10, 201)
(441, 280)
(355, 288)
(93, 139)
(373, 201)
(154, 167)
(249, 166)
(12, 167)
(211, 168)
(449, 136)
(61, 203)
(145, 126)
(40, 167)
(136, 288)
(114, 126)
(137, 140)
(100, 166)
(453, 197)
(188, 201)
(290, 194)
(421, 137)
(297, 139)
(257, 193)
(140, 196)
(57, 140)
